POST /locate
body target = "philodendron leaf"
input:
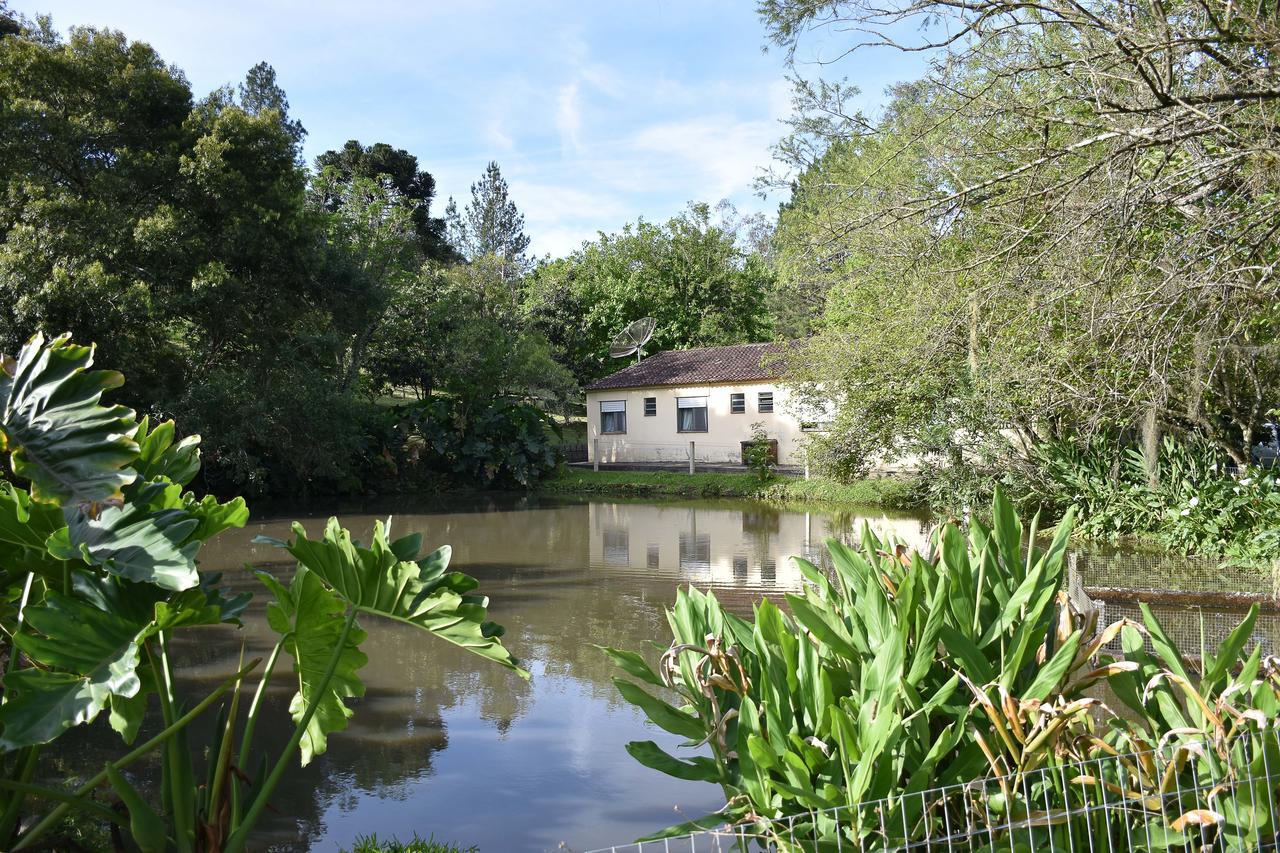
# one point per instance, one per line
(310, 616)
(134, 541)
(380, 580)
(24, 526)
(71, 448)
(160, 458)
(84, 657)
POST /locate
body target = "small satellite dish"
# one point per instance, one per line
(631, 339)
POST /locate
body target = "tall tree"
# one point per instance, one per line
(1088, 189)
(691, 273)
(259, 92)
(490, 224)
(396, 166)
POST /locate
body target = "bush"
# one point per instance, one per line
(502, 444)
(1198, 506)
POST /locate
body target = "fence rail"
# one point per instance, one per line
(1190, 796)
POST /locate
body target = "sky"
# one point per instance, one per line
(598, 113)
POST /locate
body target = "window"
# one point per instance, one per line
(652, 557)
(764, 402)
(695, 552)
(650, 406)
(738, 403)
(617, 547)
(691, 414)
(815, 426)
(613, 416)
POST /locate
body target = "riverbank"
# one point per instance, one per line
(884, 492)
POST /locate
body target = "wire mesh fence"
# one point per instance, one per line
(1189, 796)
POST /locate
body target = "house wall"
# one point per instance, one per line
(656, 439)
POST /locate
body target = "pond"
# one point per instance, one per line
(447, 743)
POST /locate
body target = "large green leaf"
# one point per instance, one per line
(310, 616)
(385, 580)
(160, 458)
(24, 526)
(71, 448)
(134, 541)
(84, 656)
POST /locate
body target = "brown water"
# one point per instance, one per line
(447, 743)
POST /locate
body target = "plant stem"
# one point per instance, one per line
(54, 816)
(251, 722)
(224, 750)
(24, 769)
(235, 844)
(179, 781)
(75, 801)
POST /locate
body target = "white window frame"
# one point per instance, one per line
(616, 407)
(694, 403)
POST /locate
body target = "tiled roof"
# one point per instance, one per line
(741, 363)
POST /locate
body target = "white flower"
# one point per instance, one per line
(1247, 481)
(1195, 501)
(1185, 512)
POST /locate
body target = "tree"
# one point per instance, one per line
(458, 329)
(371, 230)
(174, 234)
(1086, 193)
(689, 273)
(381, 162)
(259, 92)
(490, 225)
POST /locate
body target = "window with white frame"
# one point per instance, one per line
(737, 404)
(650, 407)
(691, 414)
(613, 417)
(764, 402)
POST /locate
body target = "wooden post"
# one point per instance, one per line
(691, 457)
(595, 456)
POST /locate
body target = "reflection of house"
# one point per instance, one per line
(650, 411)
(722, 547)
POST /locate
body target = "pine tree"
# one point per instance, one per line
(490, 225)
(260, 92)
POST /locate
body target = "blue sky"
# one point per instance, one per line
(598, 112)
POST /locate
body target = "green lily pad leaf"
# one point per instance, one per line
(71, 448)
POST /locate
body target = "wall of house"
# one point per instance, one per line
(656, 438)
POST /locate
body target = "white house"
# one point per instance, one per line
(652, 410)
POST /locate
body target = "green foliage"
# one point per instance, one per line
(373, 844)
(1196, 506)
(689, 273)
(499, 444)
(893, 673)
(100, 561)
(885, 492)
(759, 455)
(490, 226)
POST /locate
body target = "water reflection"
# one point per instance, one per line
(444, 743)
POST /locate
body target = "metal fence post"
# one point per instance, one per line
(691, 457)
(806, 467)
(595, 456)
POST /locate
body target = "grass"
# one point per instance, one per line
(372, 844)
(885, 492)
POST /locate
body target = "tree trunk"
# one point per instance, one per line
(1151, 445)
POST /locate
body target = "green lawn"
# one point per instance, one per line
(886, 492)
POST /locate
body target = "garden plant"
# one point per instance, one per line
(897, 673)
(99, 545)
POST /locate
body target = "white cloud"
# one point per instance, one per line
(569, 117)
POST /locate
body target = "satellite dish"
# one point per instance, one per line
(632, 338)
